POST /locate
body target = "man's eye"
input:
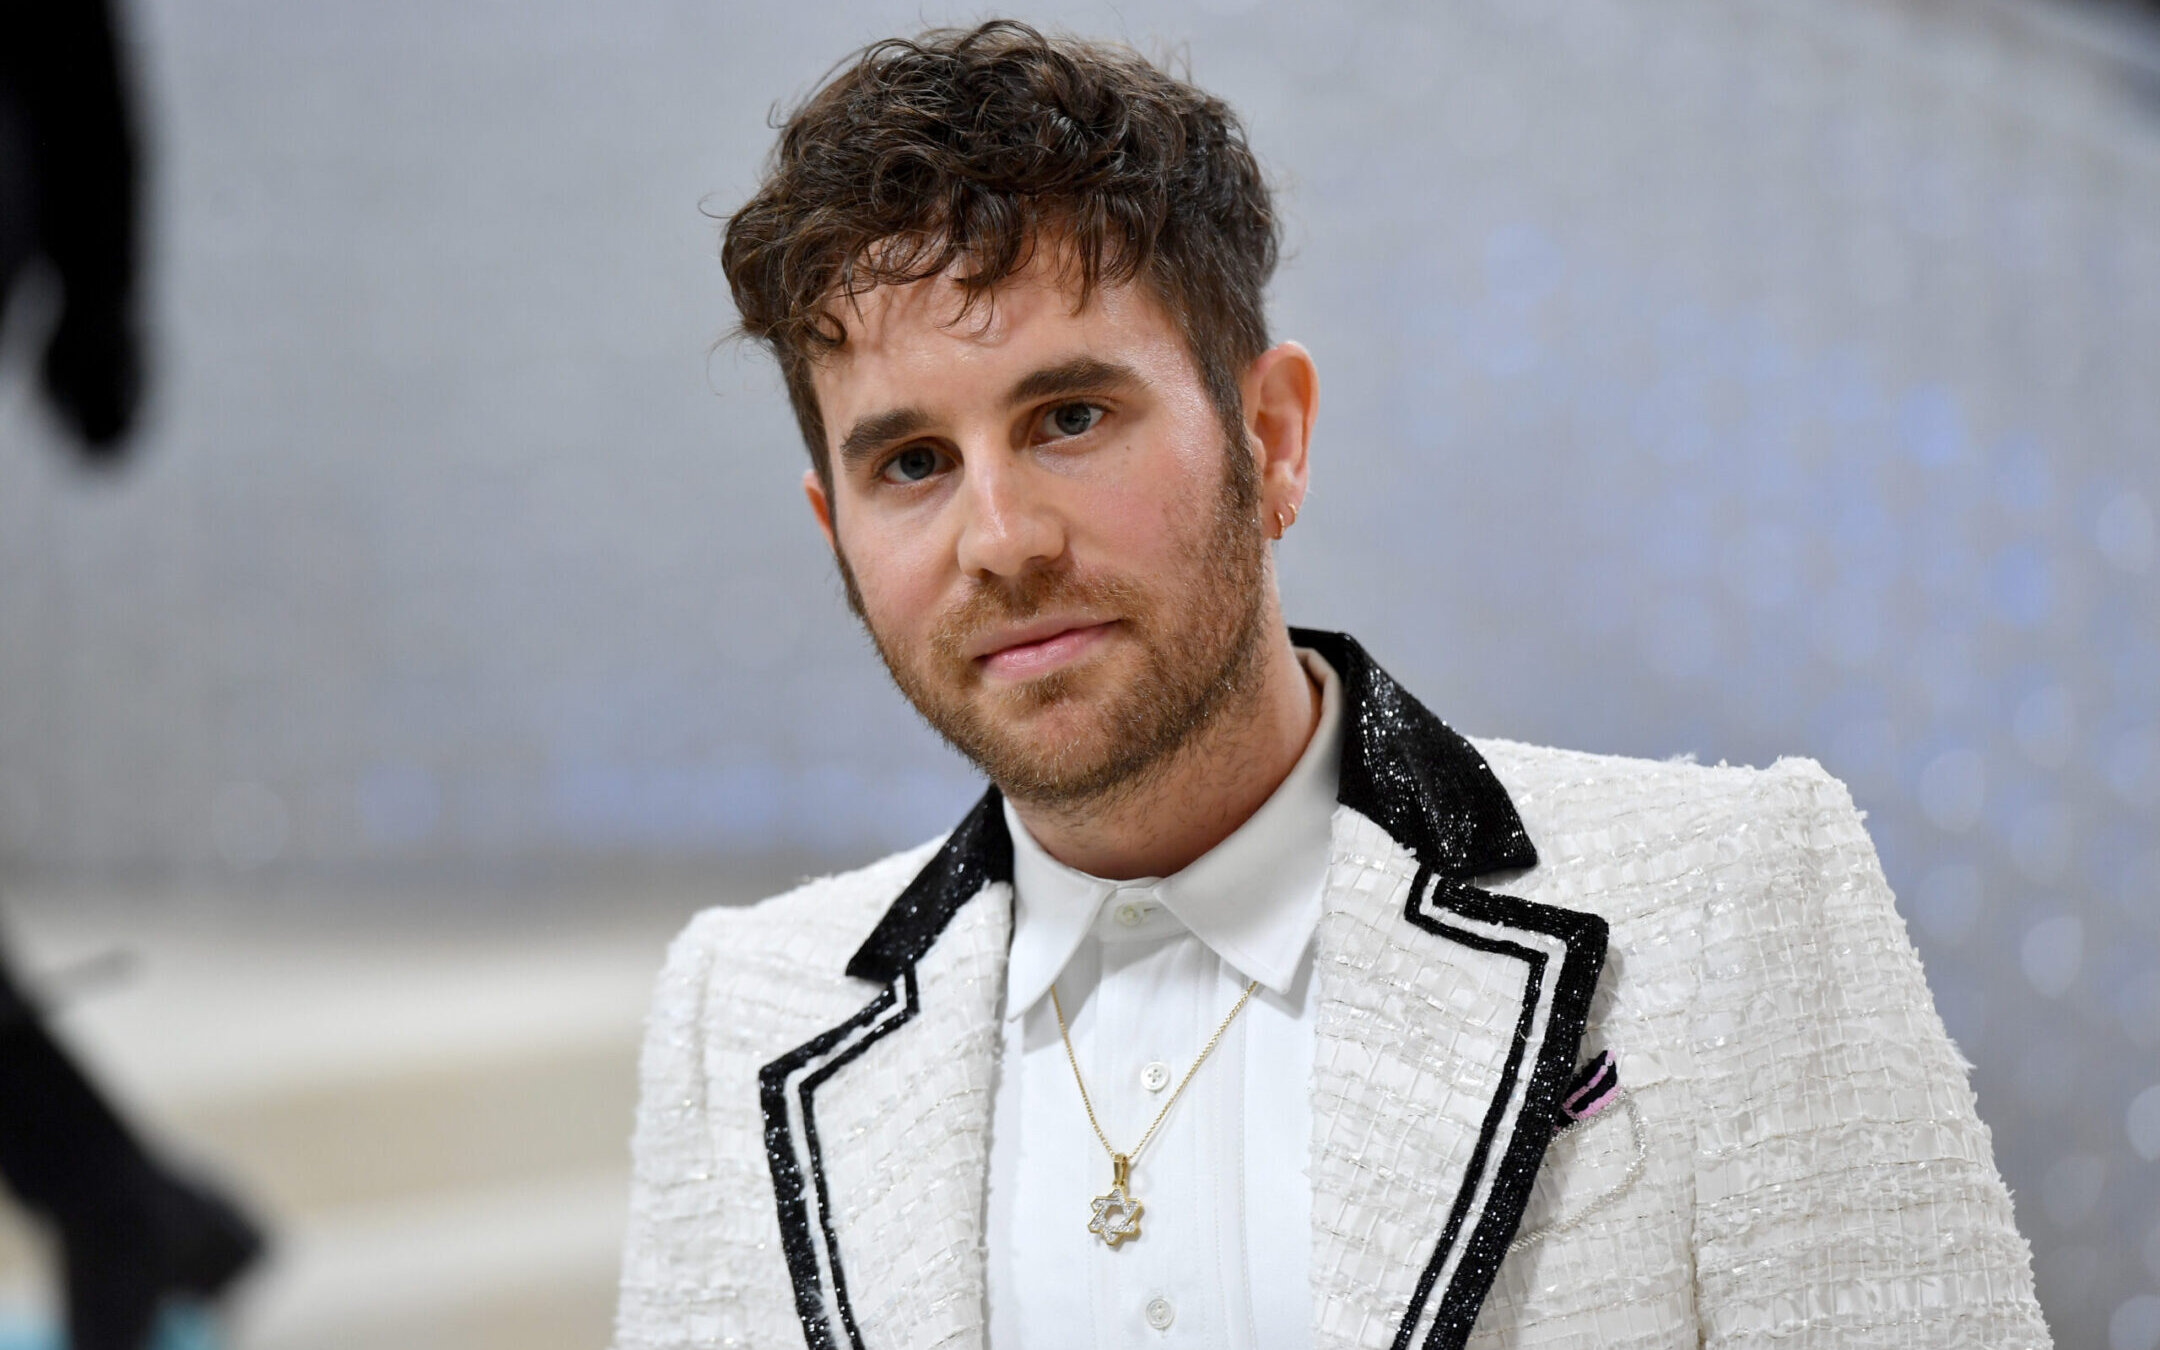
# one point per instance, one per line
(1071, 419)
(911, 465)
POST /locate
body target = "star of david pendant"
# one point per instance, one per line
(1115, 1217)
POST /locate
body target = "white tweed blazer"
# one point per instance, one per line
(1791, 1157)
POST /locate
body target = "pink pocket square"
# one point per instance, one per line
(1596, 1086)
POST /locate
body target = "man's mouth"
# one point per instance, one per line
(1040, 648)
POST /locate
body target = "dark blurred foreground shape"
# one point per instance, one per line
(68, 177)
(130, 1230)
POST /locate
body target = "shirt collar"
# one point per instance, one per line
(1254, 898)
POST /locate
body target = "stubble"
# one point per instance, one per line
(1198, 632)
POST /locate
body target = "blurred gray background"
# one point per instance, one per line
(1725, 379)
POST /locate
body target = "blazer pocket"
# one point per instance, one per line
(1588, 1166)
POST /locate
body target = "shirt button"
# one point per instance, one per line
(1155, 1077)
(1130, 915)
(1160, 1314)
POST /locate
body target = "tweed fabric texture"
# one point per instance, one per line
(703, 1264)
(1816, 1174)
(1794, 1162)
(1440, 1007)
(1409, 1052)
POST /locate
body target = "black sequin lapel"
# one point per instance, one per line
(976, 853)
(1434, 794)
(1410, 774)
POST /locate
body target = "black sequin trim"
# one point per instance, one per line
(1584, 936)
(978, 852)
(1495, 1117)
(1410, 774)
(1434, 794)
(798, 1240)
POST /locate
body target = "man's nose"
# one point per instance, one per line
(1009, 524)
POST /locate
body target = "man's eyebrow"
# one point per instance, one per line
(878, 429)
(1081, 375)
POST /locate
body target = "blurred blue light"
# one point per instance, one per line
(1680, 637)
(2024, 484)
(400, 804)
(1523, 265)
(1762, 564)
(2021, 582)
(1848, 626)
(1931, 427)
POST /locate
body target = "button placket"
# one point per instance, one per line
(1150, 997)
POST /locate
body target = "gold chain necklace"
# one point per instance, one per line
(1115, 1216)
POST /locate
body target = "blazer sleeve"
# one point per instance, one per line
(669, 1300)
(1846, 1191)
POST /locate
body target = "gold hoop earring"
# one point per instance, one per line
(1279, 526)
(1293, 515)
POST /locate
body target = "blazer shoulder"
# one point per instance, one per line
(818, 923)
(1636, 839)
(1573, 788)
(741, 985)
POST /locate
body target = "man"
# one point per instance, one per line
(1252, 1006)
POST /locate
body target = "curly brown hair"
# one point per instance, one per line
(976, 145)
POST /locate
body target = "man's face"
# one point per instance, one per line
(1042, 527)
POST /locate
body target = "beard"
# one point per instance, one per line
(1064, 740)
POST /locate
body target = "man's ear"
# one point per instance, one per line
(813, 488)
(1282, 397)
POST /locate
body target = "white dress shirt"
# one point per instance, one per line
(1146, 971)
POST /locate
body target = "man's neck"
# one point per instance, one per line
(1208, 789)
